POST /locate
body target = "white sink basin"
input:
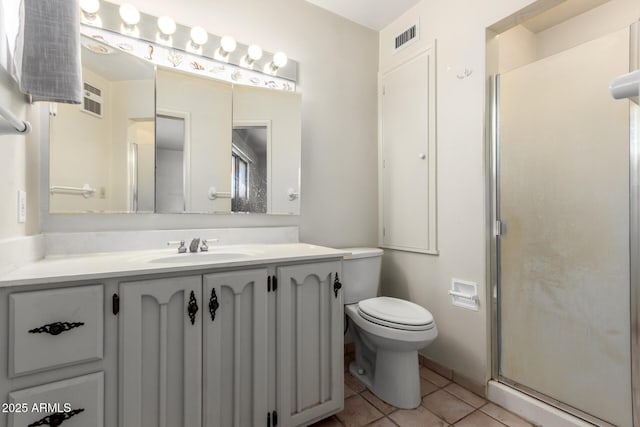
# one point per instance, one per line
(201, 257)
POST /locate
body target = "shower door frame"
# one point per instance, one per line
(494, 229)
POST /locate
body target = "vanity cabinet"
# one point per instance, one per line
(160, 340)
(309, 342)
(238, 346)
(78, 402)
(54, 328)
(235, 348)
(273, 346)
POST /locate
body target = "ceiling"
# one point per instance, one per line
(375, 14)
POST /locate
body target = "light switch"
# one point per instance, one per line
(22, 206)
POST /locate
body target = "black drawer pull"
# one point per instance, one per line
(336, 285)
(213, 304)
(192, 308)
(56, 328)
(56, 419)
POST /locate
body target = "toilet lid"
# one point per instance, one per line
(396, 313)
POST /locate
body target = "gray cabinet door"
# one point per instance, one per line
(161, 352)
(235, 349)
(309, 343)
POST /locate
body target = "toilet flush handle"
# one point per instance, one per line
(336, 285)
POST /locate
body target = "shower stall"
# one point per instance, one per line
(565, 231)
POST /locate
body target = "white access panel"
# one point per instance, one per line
(408, 156)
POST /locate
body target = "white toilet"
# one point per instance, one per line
(387, 332)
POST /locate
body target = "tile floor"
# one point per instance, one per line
(444, 403)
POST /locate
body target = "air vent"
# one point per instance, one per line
(405, 38)
(92, 100)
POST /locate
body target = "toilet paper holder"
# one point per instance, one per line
(464, 294)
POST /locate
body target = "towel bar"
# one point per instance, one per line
(86, 191)
(13, 125)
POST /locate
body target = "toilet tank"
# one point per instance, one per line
(361, 274)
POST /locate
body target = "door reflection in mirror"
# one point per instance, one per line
(249, 177)
(170, 161)
(140, 134)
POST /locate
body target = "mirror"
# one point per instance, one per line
(169, 141)
(101, 153)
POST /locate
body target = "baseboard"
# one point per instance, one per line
(530, 408)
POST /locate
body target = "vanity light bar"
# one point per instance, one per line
(189, 62)
(149, 28)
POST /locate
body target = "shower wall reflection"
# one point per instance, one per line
(249, 168)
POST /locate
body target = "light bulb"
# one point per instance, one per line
(280, 59)
(90, 7)
(167, 25)
(254, 52)
(129, 14)
(199, 36)
(228, 44)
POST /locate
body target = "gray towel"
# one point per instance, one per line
(47, 60)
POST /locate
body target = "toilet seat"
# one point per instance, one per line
(395, 313)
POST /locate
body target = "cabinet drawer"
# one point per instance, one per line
(76, 402)
(54, 327)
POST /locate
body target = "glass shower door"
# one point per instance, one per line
(563, 198)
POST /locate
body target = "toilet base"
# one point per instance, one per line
(396, 379)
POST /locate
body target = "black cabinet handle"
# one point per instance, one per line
(213, 304)
(56, 419)
(336, 285)
(55, 328)
(192, 308)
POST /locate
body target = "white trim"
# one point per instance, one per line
(530, 408)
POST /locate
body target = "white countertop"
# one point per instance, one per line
(62, 268)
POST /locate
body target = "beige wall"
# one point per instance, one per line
(337, 78)
(519, 46)
(80, 150)
(19, 157)
(19, 160)
(459, 27)
(86, 149)
(611, 16)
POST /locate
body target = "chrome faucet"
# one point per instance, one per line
(193, 246)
